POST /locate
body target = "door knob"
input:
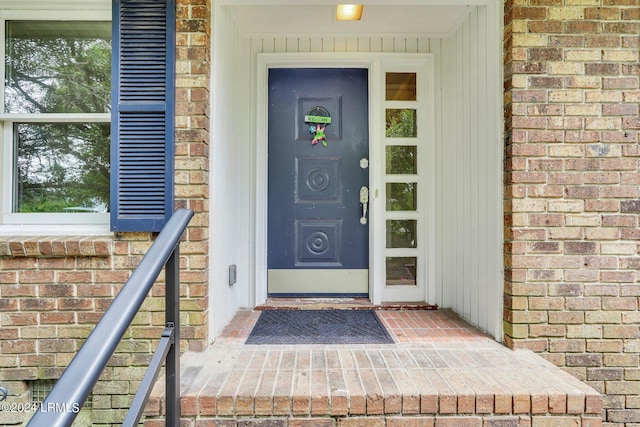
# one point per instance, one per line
(364, 199)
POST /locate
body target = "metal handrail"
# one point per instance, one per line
(65, 400)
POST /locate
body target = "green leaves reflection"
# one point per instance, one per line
(63, 68)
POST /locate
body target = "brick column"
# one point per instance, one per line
(573, 191)
(193, 49)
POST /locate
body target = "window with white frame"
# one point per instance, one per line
(56, 102)
(407, 177)
(403, 140)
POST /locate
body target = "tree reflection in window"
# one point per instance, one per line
(61, 67)
(401, 196)
(401, 123)
(401, 160)
(402, 233)
(62, 167)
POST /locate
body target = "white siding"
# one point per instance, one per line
(468, 231)
(338, 44)
(230, 175)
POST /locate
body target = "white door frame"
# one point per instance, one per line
(376, 64)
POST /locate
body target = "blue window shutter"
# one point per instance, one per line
(142, 125)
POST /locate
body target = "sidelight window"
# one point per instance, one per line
(403, 139)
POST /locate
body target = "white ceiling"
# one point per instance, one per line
(317, 17)
(314, 19)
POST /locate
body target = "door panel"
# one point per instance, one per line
(314, 208)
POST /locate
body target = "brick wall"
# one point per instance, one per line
(192, 161)
(53, 290)
(573, 191)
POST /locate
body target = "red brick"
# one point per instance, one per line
(602, 13)
(602, 41)
(545, 82)
(20, 263)
(74, 304)
(620, 110)
(573, 248)
(582, 136)
(311, 422)
(19, 374)
(362, 422)
(602, 206)
(567, 41)
(546, 27)
(602, 69)
(529, 96)
(528, 177)
(630, 206)
(622, 27)
(36, 276)
(620, 83)
(583, 27)
(539, 13)
(74, 277)
(39, 304)
(17, 346)
(56, 290)
(410, 421)
(546, 220)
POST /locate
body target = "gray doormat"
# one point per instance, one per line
(319, 327)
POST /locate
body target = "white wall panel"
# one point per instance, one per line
(470, 212)
(230, 175)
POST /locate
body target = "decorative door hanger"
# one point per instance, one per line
(318, 119)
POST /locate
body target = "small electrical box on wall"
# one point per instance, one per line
(233, 277)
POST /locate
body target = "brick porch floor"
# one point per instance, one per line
(440, 372)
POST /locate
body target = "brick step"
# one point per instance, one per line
(442, 383)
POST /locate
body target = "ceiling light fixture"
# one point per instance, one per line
(349, 12)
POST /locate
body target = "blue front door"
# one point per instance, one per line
(318, 234)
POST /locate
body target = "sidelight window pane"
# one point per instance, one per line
(402, 160)
(402, 233)
(401, 271)
(401, 86)
(402, 196)
(401, 123)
